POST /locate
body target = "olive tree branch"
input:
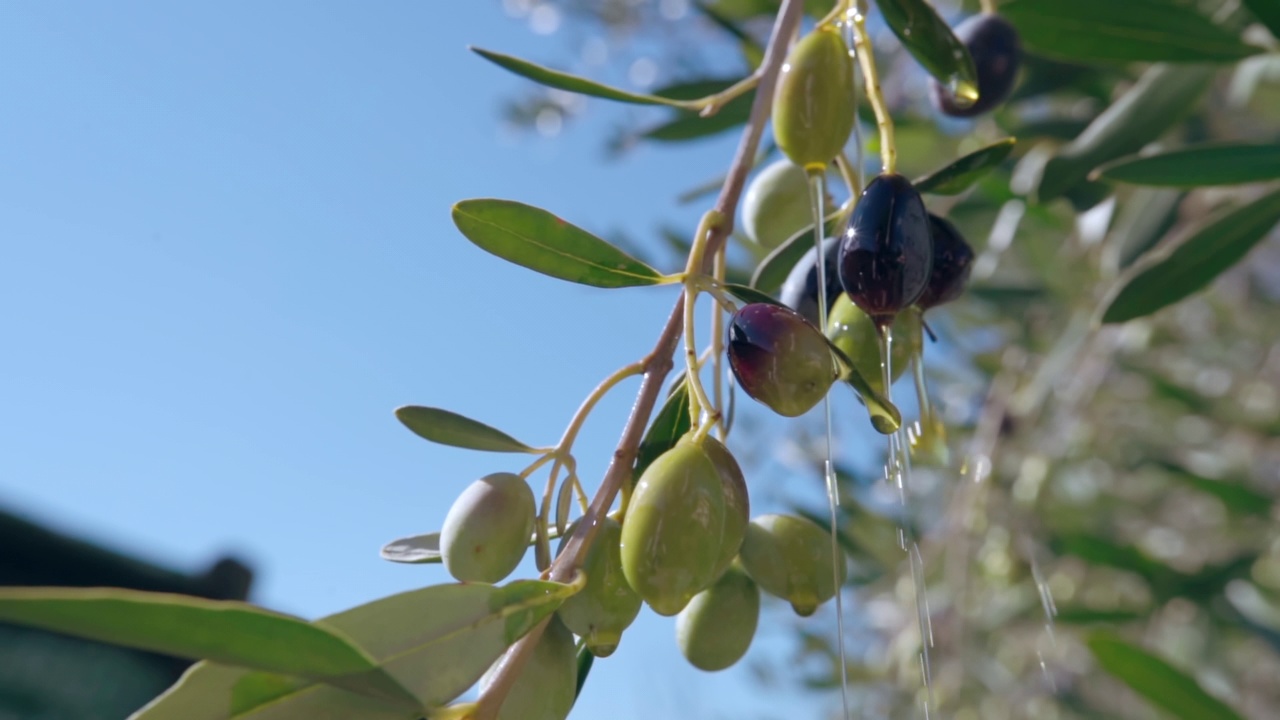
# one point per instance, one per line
(657, 364)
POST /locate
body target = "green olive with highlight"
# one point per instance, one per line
(547, 686)
(672, 531)
(775, 205)
(737, 504)
(814, 105)
(854, 333)
(791, 558)
(487, 529)
(717, 627)
(607, 605)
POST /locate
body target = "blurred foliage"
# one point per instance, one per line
(1117, 477)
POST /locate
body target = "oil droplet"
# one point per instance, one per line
(965, 91)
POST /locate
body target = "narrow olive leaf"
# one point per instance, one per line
(671, 424)
(585, 661)
(436, 641)
(774, 268)
(425, 549)
(1129, 31)
(750, 294)
(565, 81)
(1156, 680)
(538, 240)
(1198, 166)
(229, 632)
(964, 172)
(1267, 12)
(693, 126)
(1189, 263)
(450, 428)
(930, 41)
(1156, 102)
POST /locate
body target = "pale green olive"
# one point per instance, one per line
(487, 529)
(716, 628)
(607, 605)
(791, 558)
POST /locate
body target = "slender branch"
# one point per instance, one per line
(656, 365)
(862, 45)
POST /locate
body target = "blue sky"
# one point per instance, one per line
(227, 257)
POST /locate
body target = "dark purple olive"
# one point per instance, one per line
(886, 254)
(800, 291)
(952, 261)
(779, 358)
(993, 43)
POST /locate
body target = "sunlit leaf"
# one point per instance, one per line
(1127, 31)
(1267, 12)
(1160, 683)
(565, 81)
(1188, 264)
(1199, 165)
(436, 642)
(425, 549)
(449, 428)
(930, 41)
(538, 240)
(958, 176)
(1156, 102)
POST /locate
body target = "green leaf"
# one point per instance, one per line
(964, 172)
(930, 41)
(565, 81)
(1188, 264)
(671, 424)
(1199, 165)
(750, 294)
(1128, 31)
(450, 428)
(774, 268)
(1267, 12)
(436, 641)
(229, 632)
(1155, 679)
(1234, 496)
(585, 660)
(538, 240)
(1156, 102)
(425, 549)
(693, 126)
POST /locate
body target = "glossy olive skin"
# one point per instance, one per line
(737, 505)
(997, 55)
(775, 205)
(779, 358)
(886, 255)
(548, 684)
(952, 262)
(673, 528)
(855, 335)
(487, 529)
(716, 629)
(800, 290)
(790, 557)
(607, 605)
(813, 107)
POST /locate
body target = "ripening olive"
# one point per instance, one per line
(487, 530)
(790, 557)
(854, 334)
(716, 629)
(775, 205)
(779, 358)
(887, 253)
(548, 683)
(993, 43)
(737, 505)
(607, 605)
(800, 291)
(952, 261)
(813, 107)
(673, 528)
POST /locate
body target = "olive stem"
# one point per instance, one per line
(862, 46)
(850, 177)
(656, 365)
(698, 399)
(839, 11)
(988, 6)
(711, 104)
(717, 343)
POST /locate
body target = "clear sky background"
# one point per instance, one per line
(226, 257)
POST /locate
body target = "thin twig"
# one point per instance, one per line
(656, 365)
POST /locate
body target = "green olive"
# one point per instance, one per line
(813, 107)
(854, 333)
(671, 535)
(607, 605)
(716, 628)
(791, 558)
(548, 683)
(775, 205)
(487, 530)
(737, 504)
